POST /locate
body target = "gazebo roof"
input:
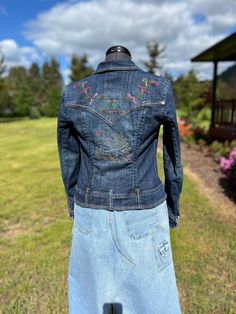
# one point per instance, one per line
(224, 50)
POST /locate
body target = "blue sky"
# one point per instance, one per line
(33, 31)
(13, 16)
(15, 13)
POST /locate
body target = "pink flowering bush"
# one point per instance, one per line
(228, 165)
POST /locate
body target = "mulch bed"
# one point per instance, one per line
(204, 166)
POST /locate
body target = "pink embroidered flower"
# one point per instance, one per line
(143, 89)
(155, 83)
(76, 85)
(93, 97)
(132, 98)
(85, 90)
(98, 133)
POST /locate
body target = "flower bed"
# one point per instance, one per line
(223, 153)
(228, 165)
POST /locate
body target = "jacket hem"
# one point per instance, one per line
(135, 199)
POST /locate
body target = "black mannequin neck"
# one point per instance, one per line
(117, 56)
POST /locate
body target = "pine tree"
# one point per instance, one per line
(36, 84)
(21, 96)
(2, 66)
(4, 98)
(190, 93)
(52, 87)
(23, 100)
(154, 53)
(79, 68)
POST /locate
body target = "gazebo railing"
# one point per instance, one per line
(225, 112)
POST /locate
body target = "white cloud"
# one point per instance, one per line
(66, 75)
(213, 7)
(16, 55)
(93, 26)
(221, 15)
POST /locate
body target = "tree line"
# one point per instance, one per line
(36, 90)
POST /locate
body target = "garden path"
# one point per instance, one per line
(206, 173)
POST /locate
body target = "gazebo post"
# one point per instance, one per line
(214, 93)
(223, 111)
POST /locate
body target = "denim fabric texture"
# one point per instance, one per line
(123, 258)
(107, 133)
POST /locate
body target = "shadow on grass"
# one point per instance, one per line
(13, 119)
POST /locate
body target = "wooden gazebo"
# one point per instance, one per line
(223, 115)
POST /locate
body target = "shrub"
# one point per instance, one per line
(228, 165)
(185, 131)
(34, 113)
(202, 119)
(216, 149)
(202, 143)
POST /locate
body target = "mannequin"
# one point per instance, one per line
(117, 52)
(121, 249)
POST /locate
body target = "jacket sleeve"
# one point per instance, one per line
(173, 168)
(69, 154)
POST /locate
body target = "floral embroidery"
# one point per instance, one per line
(143, 89)
(98, 133)
(84, 89)
(112, 146)
(132, 98)
(110, 105)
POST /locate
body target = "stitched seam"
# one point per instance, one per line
(141, 121)
(89, 147)
(116, 244)
(64, 155)
(125, 207)
(122, 195)
(102, 117)
(167, 85)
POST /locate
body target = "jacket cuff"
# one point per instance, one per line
(70, 204)
(174, 223)
(174, 220)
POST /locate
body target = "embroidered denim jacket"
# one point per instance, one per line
(107, 134)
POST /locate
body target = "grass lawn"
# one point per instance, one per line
(36, 232)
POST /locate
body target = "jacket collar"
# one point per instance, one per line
(123, 64)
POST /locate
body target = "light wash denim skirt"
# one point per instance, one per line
(122, 259)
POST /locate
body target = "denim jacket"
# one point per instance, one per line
(107, 134)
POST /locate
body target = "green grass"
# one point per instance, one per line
(36, 232)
